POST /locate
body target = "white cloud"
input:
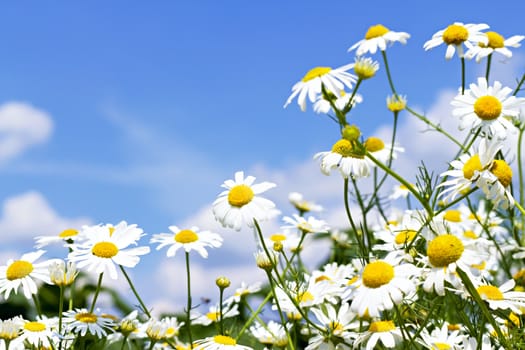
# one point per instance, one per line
(22, 126)
(29, 214)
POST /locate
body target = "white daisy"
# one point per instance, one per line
(243, 291)
(333, 80)
(39, 333)
(214, 313)
(496, 43)
(502, 297)
(301, 204)
(399, 191)
(23, 273)
(240, 203)
(10, 329)
(380, 151)
(378, 37)
(487, 108)
(455, 35)
(82, 322)
(62, 273)
(341, 102)
(441, 338)
(188, 239)
(271, 334)
(336, 322)
(348, 157)
(219, 342)
(305, 294)
(384, 331)
(471, 343)
(305, 225)
(495, 182)
(289, 240)
(66, 236)
(107, 246)
(365, 67)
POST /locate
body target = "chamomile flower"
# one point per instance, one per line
(66, 236)
(346, 156)
(301, 204)
(105, 247)
(271, 334)
(396, 103)
(380, 151)
(487, 108)
(289, 240)
(188, 239)
(219, 342)
(240, 203)
(323, 106)
(10, 328)
(38, 333)
(385, 332)
(441, 338)
(455, 35)
(337, 322)
(243, 291)
(365, 67)
(381, 284)
(305, 225)
(305, 294)
(399, 191)
(333, 80)
(82, 322)
(471, 343)
(23, 273)
(502, 297)
(495, 182)
(496, 43)
(213, 314)
(378, 37)
(62, 273)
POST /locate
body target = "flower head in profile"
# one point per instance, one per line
(455, 36)
(23, 273)
(219, 342)
(381, 151)
(214, 314)
(378, 37)
(188, 239)
(396, 103)
(39, 333)
(301, 204)
(105, 246)
(496, 43)
(240, 203)
(346, 156)
(62, 273)
(10, 328)
(271, 334)
(311, 85)
(385, 332)
(502, 297)
(487, 108)
(82, 322)
(309, 225)
(66, 236)
(365, 67)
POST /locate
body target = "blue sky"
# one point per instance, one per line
(144, 109)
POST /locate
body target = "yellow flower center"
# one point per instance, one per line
(472, 165)
(514, 320)
(377, 273)
(224, 340)
(405, 236)
(365, 69)
(382, 326)
(68, 233)
(322, 278)
(455, 34)
(346, 149)
(374, 144)
(490, 292)
(454, 327)
(278, 237)
(104, 250)
(304, 297)
(502, 171)
(186, 236)
(240, 195)
(452, 215)
(481, 266)
(86, 317)
(470, 234)
(442, 346)
(444, 250)
(34, 326)
(315, 73)
(376, 31)
(487, 107)
(214, 316)
(336, 326)
(496, 41)
(19, 269)
(396, 103)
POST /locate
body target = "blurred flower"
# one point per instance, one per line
(496, 43)
(310, 225)
(67, 236)
(271, 334)
(455, 35)
(191, 239)
(39, 333)
(219, 342)
(213, 314)
(502, 297)
(82, 322)
(303, 205)
(396, 103)
(399, 191)
(377, 37)
(62, 274)
(380, 151)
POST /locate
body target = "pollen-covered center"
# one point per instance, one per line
(496, 41)
(68, 233)
(104, 250)
(19, 269)
(278, 237)
(86, 317)
(186, 236)
(240, 195)
(471, 166)
(346, 149)
(455, 34)
(377, 273)
(224, 340)
(376, 31)
(381, 326)
(405, 236)
(443, 346)
(502, 171)
(374, 144)
(490, 292)
(487, 107)
(304, 297)
(444, 250)
(452, 215)
(315, 73)
(214, 316)
(35, 326)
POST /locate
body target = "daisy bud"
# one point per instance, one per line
(278, 246)
(222, 282)
(396, 103)
(62, 274)
(365, 68)
(263, 261)
(351, 132)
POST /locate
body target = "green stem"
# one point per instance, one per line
(389, 76)
(60, 311)
(254, 315)
(487, 72)
(188, 305)
(97, 292)
(281, 316)
(124, 341)
(520, 165)
(352, 224)
(221, 318)
(522, 80)
(144, 308)
(37, 305)
(462, 75)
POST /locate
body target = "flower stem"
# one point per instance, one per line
(462, 75)
(487, 72)
(37, 304)
(97, 292)
(188, 305)
(144, 308)
(352, 223)
(389, 76)
(60, 310)
(283, 321)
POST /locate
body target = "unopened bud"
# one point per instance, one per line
(351, 132)
(222, 282)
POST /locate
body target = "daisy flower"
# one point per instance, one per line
(304, 294)
(333, 80)
(399, 191)
(441, 338)
(289, 240)
(23, 273)
(219, 342)
(455, 35)
(471, 343)
(487, 108)
(67, 236)
(365, 67)
(384, 331)
(396, 103)
(378, 37)
(495, 183)
(240, 202)
(309, 225)
(381, 284)
(62, 273)
(346, 156)
(39, 333)
(502, 297)
(271, 334)
(496, 43)
(82, 322)
(10, 328)
(336, 322)
(213, 314)
(301, 204)
(398, 235)
(189, 240)
(243, 291)
(107, 246)
(380, 151)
